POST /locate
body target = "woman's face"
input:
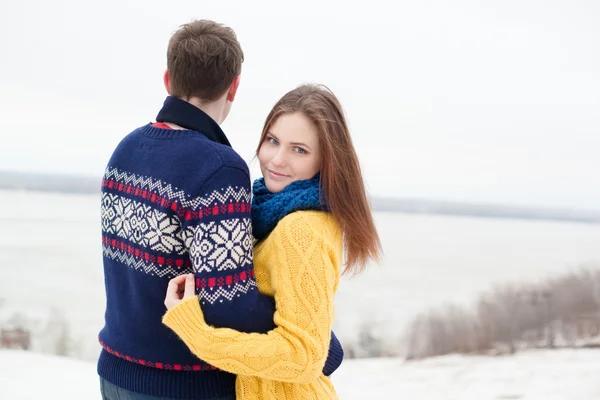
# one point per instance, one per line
(290, 151)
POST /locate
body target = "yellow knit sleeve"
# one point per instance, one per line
(307, 256)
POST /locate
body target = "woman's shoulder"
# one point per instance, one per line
(310, 234)
(311, 222)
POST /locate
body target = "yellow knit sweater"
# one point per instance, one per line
(299, 264)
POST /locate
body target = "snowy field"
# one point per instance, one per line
(428, 260)
(533, 375)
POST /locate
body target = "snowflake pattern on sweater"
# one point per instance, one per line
(154, 241)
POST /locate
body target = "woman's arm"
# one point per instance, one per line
(307, 259)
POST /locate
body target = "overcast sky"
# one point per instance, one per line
(458, 100)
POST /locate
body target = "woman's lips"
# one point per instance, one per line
(277, 175)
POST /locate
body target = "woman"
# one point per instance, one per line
(310, 203)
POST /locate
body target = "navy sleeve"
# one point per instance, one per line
(335, 356)
(218, 234)
(219, 238)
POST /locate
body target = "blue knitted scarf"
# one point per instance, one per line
(269, 208)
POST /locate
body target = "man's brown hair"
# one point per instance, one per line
(203, 58)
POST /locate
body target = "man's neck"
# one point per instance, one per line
(213, 109)
(178, 114)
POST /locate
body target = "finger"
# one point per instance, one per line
(173, 287)
(190, 289)
(180, 279)
(168, 303)
(171, 296)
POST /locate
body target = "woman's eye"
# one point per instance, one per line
(273, 141)
(300, 150)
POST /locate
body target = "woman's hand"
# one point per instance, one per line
(180, 288)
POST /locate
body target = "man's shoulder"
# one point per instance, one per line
(193, 150)
(227, 156)
(220, 164)
(191, 162)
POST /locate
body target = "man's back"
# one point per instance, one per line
(174, 202)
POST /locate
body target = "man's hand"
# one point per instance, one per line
(180, 288)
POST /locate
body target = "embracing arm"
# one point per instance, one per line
(307, 259)
(219, 240)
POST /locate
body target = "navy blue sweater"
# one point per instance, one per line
(174, 202)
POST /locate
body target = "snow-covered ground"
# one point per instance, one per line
(429, 260)
(532, 375)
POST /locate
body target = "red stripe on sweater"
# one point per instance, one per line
(182, 212)
(201, 283)
(139, 253)
(159, 365)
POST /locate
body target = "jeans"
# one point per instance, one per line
(112, 392)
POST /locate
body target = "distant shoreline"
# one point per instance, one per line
(424, 206)
(70, 184)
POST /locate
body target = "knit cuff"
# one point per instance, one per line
(334, 357)
(186, 319)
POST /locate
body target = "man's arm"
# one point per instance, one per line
(334, 357)
(297, 349)
(219, 238)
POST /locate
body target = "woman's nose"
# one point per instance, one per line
(278, 159)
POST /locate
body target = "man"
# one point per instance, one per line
(175, 200)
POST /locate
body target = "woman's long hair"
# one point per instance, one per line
(341, 176)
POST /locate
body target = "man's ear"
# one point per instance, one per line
(233, 88)
(167, 82)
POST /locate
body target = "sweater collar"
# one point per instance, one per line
(190, 117)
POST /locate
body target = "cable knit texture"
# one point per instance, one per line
(299, 263)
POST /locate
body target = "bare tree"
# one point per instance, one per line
(511, 316)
